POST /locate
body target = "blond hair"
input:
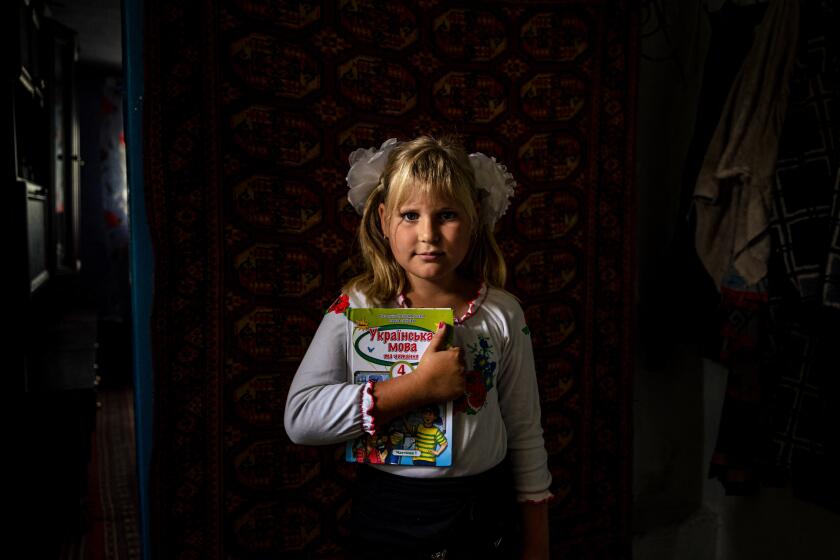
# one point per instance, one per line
(439, 168)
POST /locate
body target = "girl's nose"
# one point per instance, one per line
(428, 231)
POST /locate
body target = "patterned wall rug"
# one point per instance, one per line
(252, 108)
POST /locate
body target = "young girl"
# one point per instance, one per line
(428, 211)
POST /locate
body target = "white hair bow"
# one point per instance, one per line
(492, 179)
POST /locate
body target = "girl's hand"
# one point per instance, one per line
(439, 377)
(441, 370)
(534, 517)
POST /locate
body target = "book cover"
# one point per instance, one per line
(387, 343)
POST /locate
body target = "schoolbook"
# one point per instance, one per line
(384, 344)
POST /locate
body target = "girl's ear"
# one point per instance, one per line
(382, 224)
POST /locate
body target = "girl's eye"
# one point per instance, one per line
(410, 216)
(448, 215)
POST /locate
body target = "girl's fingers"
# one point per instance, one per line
(439, 338)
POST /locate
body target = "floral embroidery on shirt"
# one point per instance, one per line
(340, 305)
(479, 379)
(526, 330)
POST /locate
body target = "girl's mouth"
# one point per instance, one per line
(430, 256)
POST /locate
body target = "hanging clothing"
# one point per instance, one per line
(732, 193)
(780, 335)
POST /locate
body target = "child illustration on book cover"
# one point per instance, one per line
(396, 439)
(370, 449)
(428, 437)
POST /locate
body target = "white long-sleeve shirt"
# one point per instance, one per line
(323, 407)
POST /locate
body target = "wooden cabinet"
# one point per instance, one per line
(62, 102)
(41, 186)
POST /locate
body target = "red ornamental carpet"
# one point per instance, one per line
(252, 108)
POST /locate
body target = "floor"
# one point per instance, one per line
(78, 475)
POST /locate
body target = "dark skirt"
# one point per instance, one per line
(452, 518)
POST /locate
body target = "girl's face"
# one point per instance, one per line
(429, 238)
